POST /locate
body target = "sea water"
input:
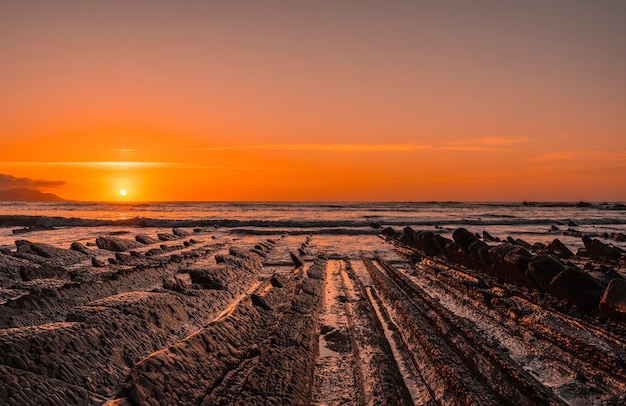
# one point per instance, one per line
(531, 222)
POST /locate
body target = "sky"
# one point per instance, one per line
(314, 100)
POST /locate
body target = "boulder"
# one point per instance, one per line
(542, 269)
(538, 246)
(558, 249)
(180, 233)
(407, 236)
(116, 244)
(475, 247)
(146, 239)
(167, 237)
(125, 259)
(154, 251)
(425, 241)
(464, 238)
(276, 281)
(509, 263)
(76, 246)
(613, 302)
(577, 287)
(599, 250)
(97, 263)
(488, 237)
(297, 262)
(441, 242)
(260, 301)
(522, 243)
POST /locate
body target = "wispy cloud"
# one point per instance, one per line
(495, 143)
(465, 144)
(133, 165)
(12, 182)
(572, 155)
(102, 164)
(325, 147)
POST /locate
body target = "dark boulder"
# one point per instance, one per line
(510, 263)
(154, 251)
(488, 237)
(97, 263)
(570, 223)
(464, 238)
(599, 250)
(425, 241)
(146, 239)
(408, 236)
(475, 247)
(260, 301)
(538, 246)
(167, 237)
(277, 282)
(522, 243)
(554, 228)
(125, 259)
(441, 242)
(76, 246)
(613, 302)
(297, 262)
(116, 244)
(180, 233)
(558, 249)
(577, 287)
(542, 269)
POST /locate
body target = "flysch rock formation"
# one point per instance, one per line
(403, 317)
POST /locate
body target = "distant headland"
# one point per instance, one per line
(27, 195)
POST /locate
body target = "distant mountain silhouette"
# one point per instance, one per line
(27, 195)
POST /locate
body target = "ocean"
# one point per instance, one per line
(532, 222)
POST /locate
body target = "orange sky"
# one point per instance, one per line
(315, 100)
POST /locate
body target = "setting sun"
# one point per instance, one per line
(123, 192)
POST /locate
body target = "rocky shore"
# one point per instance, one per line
(195, 317)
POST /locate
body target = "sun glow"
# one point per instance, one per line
(123, 192)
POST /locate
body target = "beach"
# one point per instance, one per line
(312, 303)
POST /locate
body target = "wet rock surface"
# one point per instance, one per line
(116, 244)
(412, 317)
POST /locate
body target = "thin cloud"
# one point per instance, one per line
(12, 182)
(326, 147)
(485, 143)
(572, 155)
(103, 164)
(132, 165)
(467, 144)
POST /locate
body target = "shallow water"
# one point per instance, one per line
(75, 221)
